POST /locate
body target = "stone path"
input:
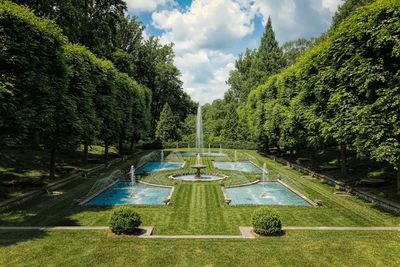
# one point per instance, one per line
(245, 232)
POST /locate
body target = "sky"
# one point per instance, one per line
(208, 35)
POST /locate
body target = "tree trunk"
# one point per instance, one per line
(343, 160)
(131, 145)
(85, 153)
(120, 144)
(53, 156)
(398, 179)
(106, 153)
(36, 139)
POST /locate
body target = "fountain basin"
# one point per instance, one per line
(120, 194)
(242, 166)
(265, 193)
(193, 177)
(155, 166)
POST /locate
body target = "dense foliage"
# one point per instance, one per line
(266, 222)
(60, 95)
(341, 90)
(124, 220)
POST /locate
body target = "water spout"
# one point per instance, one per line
(209, 148)
(220, 149)
(162, 156)
(235, 156)
(133, 180)
(199, 131)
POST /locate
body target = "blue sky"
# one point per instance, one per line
(209, 34)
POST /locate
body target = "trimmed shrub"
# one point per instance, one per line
(266, 222)
(124, 220)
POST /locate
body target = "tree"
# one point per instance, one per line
(293, 49)
(167, 125)
(268, 59)
(39, 101)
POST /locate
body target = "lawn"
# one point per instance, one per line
(198, 208)
(296, 248)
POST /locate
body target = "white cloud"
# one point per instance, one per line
(147, 5)
(207, 33)
(332, 5)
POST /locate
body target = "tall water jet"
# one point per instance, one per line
(188, 146)
(177, 146)
(162, 156)
(235, 156)
(220, 149)
(199, 131)
(209, 148)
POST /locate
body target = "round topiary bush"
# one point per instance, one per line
(266, 222)
(124, 220)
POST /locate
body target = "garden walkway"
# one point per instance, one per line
(246, 232)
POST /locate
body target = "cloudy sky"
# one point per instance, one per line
(209, 34)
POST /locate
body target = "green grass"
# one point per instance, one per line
(198, 208)
(22, 169)
(296, 248)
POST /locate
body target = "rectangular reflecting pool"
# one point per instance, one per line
(241, 166)
(121, 193)
(154, 166)
(266, 193)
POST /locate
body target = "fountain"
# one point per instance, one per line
(199, 131)
(188, 146)
(235, 157)
(198, 166)
(177, 146)
(265, 172)
(220, 149)
(209, 148)
(162, 156)
(133, 180)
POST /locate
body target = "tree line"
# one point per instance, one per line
(101, 82)
(341, 89)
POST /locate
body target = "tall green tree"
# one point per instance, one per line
(167, 125)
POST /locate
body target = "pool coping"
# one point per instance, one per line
(166, 201)
(173, 177)
(228, 200)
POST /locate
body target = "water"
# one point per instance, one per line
(205, 154)
(192, 177)
(106, 181)
(209, 148)
(199, 131)
(120, 193)
(133, 178)
(267, 193)
(235, 157)
(162, 156)
(242, 166)
(154, 166)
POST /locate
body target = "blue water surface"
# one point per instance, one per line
(242, 166)
(153, 166)
(120, 193)
(266, 193)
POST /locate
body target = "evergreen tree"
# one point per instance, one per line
(167, 125)
(268, 59)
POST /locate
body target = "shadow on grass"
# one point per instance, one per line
(13, 237)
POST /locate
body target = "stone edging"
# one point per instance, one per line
(9, 203)
(381, 202)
